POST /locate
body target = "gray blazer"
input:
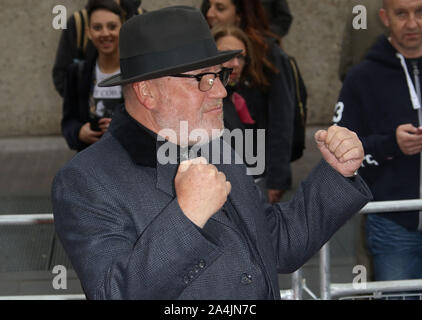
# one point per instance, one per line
(127, 238)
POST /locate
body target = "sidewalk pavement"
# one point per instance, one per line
(28, 254)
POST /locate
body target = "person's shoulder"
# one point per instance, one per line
(101, 154)
(104, 165)
(71, 20)
(362, 68)
(275, 52)
(361, 71)
(272, 43)
(71, 27)
(83, 68)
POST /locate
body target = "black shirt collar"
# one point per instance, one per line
(140, 142)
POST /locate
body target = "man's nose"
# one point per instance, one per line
(218, 90)
(412, 22)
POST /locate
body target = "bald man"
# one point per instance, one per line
(381, 102)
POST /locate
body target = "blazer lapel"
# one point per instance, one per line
(165, 178)
(241, 197)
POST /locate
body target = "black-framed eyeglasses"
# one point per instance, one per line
(207, 79)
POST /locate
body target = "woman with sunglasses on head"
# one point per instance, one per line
(268, 79)
(87, 108)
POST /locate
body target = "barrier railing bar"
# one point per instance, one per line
(297, 285)
(325, 276)
(308, 291)
(340, 289)
(26, 219)
(370, 208)
(392, 206)
(287, 294)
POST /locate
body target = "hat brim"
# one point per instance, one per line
(222, 57)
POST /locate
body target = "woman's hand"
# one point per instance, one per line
(103, 124)
(89, 136)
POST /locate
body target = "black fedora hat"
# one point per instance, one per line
(165, 42)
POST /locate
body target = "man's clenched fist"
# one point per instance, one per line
(341, 148)
(201, 190)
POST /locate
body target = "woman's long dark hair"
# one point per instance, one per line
(109, 5)
(130, 7)
(254, 22)
(127, 9)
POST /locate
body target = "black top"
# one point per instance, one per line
(272, 109)
(78, 85)
(373, 102)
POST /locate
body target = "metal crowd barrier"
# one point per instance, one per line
(34, 219)
(330, 290)
(336, 290)
(377, 289)
(327, 290)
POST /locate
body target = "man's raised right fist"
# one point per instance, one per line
(201, 190)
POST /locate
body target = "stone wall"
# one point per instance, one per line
(30, 106)
(314, 40)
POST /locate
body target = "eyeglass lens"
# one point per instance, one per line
(208, 80)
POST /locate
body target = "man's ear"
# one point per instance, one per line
(144, 93)
(384, 17)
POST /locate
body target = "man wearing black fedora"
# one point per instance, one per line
(137, 228)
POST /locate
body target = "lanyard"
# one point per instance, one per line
(413, 95)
